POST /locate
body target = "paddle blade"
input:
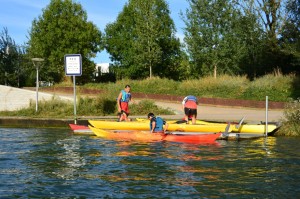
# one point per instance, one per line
(240, 123)
(226, 132)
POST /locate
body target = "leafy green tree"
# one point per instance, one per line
(290, 39)
(142, 41)
(212, 41)
(63, 29)
(11, 56)
(271, 17)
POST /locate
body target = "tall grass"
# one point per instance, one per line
(277, 87)
(146, 106)
(223, 87)
(291, 123)
(101, 106)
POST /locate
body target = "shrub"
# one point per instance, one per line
(278, 88)
(291, 123)
(146, 106)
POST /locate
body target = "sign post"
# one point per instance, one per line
(73, 67)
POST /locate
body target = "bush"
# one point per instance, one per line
(104, 104)
(277, 87)
(146, 106)
(291, 123)
(223, 87)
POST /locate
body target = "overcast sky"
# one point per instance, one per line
(17, 16)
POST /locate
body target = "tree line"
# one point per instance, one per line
(235, 37)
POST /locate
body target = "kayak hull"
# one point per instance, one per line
(81, 129)
(143, 126)
(146, 136)
(244, 128)
(254, 128)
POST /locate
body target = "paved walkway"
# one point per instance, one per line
(15, 98)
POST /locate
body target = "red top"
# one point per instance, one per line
(190, 104)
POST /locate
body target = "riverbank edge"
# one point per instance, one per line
(28, 122)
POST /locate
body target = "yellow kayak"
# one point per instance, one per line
(243, 128)
(143, 126)
(254, 128)
(176, 121)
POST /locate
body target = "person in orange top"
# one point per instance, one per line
(189, 105)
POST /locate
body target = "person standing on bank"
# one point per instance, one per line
(189, 105)
(157, 124)
(122, 102)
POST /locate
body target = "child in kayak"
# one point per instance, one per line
(157, 124)
(122, 103)
(189, 105)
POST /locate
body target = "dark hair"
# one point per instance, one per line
(150, 115)
(127, 86)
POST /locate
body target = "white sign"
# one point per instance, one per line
(73, 65)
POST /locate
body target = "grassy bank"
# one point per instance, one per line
(100, 106)
(277, 87)
(291, 122)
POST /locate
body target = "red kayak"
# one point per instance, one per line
(153, 137)
(81, 129)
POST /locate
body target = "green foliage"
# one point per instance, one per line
(223, 87)
(146, 106)
(291, 124)
(277, 87)
(100, 106)
(142, 41)
(212, 42)
(12, 60)
(63, 29)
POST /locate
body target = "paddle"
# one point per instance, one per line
(226, 132)
(240, 123)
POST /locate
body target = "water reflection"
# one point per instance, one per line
(53, 163)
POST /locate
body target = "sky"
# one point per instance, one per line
(17, 16)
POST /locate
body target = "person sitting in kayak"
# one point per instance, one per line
(157, 124)
(122, 103)
(189, 105)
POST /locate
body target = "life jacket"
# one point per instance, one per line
(125, 96)
(158, 125)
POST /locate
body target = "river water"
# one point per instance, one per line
(53, 163)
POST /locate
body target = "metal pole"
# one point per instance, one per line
(266, 116)
(75, 118)
(37, 88)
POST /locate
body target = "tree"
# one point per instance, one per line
(271, 17)
(142, 40)
(211, 38)
(63, 29)
(11, 59)
(290, 39)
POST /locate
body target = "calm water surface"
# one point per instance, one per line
(54, 163)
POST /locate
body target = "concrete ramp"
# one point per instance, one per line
(12, 99)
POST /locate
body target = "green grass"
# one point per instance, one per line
(101, 106)
(277, 87)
